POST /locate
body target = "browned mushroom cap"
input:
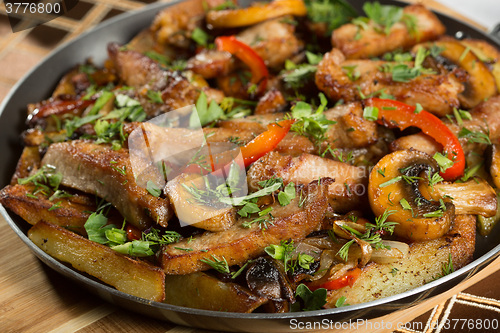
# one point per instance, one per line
(266, 279)
(393, 186)
(480, 82)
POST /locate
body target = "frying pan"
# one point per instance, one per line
(38, 85)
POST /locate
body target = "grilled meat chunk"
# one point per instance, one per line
(137, 70)
(239, 244)
(436, 93)
(373, 42)
(144, 74)
(344, 194)
(351, 129)
(99, 170)
(274, 40)
(211, 63)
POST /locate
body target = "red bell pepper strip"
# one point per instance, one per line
(396, 114)
(344, 281)
(246, 54)
(265, 142)
(251, 152)
(133, 233)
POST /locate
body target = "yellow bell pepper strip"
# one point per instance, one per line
(233, 18)
(249, 57)
(265, 142)
(396, 114)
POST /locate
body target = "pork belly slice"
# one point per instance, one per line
(347, 192)
(374, 43)
(99, 170)
(436, 93)
(239, 244)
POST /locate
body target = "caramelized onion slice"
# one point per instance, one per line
(393, 252)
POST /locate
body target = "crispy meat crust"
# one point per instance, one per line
(373, 43)
(238, 244)
(99, 170)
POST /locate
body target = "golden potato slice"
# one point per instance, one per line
(495, 165)
(131, 276)
(202, 291)
(192, 212)
(423, 264)
(29, 160)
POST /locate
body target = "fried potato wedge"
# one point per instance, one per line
(202, 291)
(131, 276)
(70, 213)
(29, 160)
(424, 264)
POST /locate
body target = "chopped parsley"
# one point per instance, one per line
(313, 125)
(285, 253)
(153, 189)
(401, 72)
(205, 112)
(333, 13)
(370, 113)
(200, 37)
(217, 264)
(444, 162)
(474, 136)
(154, 96)
(371, 235)
(287, 195)
(312, 300)
(297, 75)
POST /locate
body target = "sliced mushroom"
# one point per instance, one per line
(475, 196)
(480, 84)
(487, 53)
(266, 279)
(212, 216)
(394, 187)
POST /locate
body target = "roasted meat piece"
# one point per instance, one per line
(345, 193)
(99, 170)
(437, 93)
(372, 42)
(238, 244)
